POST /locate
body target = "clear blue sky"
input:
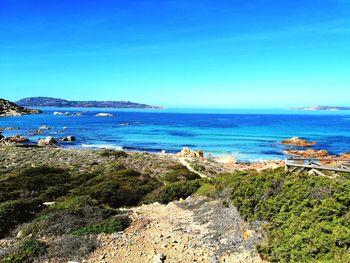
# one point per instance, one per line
(198, 53)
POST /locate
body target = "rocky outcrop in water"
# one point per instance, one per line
(8, 108)
(68, 139)
(296, 141)
(48, 141)
(12, 140)
(307, 153)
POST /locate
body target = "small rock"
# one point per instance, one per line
(68, 139)
(159, 258)
(213, 259)
(48, 203)
(19, 234)
(104, 115)
(45, 127)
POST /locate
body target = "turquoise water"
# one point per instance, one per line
(246, 134)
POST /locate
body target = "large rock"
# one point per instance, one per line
(296, 141)
(307, 153)
(48, 141)
(17, 139)
(8, 108)
(345, 156)
(186, 152)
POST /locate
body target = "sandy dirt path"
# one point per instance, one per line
(194, 230)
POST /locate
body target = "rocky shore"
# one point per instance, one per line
(8, 108)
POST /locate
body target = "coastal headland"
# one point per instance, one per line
(59, 205)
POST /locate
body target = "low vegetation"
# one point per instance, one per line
(306, 218)
(179, 173)
(27, 252)
(50, 212)
(173, 191)
(69, 209)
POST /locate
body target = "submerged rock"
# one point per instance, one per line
(296, 141)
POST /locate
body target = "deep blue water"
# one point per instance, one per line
(247, 134)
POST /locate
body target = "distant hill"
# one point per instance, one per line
(54, 102)
(8, 108)
(324, 108)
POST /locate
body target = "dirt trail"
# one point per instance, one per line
(194, 230)
(184, 162)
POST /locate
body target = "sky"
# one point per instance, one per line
(178, 53)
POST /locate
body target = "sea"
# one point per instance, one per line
(249, 135)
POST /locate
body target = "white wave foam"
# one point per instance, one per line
(102, 146)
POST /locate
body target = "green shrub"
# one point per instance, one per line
(113, 153)
(72, 202)
(173, 191)
(208, 190)
(27, 252)
(307, 216)
(33, 182)
(179, 173)
(107, 226)
(15, 212)
(122, 188)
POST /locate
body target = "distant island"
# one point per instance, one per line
(324, 108)
(8, 108)
(54, 102)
